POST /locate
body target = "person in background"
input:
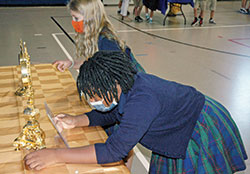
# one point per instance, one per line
(202, 5)
(186, 131)
(243, 8)
(212, 8)
(124, 11)
(152, 5)
(94, 32)
(119, 8)
(137, 10)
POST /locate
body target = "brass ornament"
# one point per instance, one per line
(31, 136)
(24, 63)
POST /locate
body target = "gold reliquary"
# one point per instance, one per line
(31, 136)
(24, 63)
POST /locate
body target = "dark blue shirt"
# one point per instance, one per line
(106, 44)
(157, 113)
(110, 44)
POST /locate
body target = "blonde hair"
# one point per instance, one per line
(96, 22)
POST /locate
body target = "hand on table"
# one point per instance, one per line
(41, 158)
(64, 121)
(62, 65)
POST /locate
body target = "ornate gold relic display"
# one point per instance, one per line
(32, 136)
(24, 62)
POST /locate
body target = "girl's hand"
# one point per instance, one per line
(62, 65)
(41, 158)
(64, 121)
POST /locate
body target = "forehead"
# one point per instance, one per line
(95, 97)
(75, 13)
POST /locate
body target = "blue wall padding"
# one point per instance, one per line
(33, 2)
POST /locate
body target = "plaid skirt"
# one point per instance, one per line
(215, 146)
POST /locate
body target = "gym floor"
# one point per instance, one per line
(215, 59)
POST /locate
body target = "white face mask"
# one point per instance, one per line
(98, 105)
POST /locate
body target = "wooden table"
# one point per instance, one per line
(59, 91)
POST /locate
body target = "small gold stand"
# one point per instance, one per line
(32, 136)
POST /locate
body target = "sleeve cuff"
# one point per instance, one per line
(91, 116)
(102, 154)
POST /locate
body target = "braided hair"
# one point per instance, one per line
(102, 72)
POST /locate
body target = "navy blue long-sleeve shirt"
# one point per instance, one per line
(110, 44)
(157, 113)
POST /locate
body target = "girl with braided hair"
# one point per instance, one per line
(94, 32)
(187, 131)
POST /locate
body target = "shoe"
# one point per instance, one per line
(126, 19)
(195, 22)
(138, 19)
(119, 12)
(211, 21)
(201, 22)
(150, 20)
(243, 11)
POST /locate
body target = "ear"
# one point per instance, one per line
(119, 90)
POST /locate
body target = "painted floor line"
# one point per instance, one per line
(174, 29)
(62, 47)
(142, 158)
(188, 28)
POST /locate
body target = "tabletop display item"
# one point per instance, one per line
(31, 136)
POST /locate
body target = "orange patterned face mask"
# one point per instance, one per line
(78, 26)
